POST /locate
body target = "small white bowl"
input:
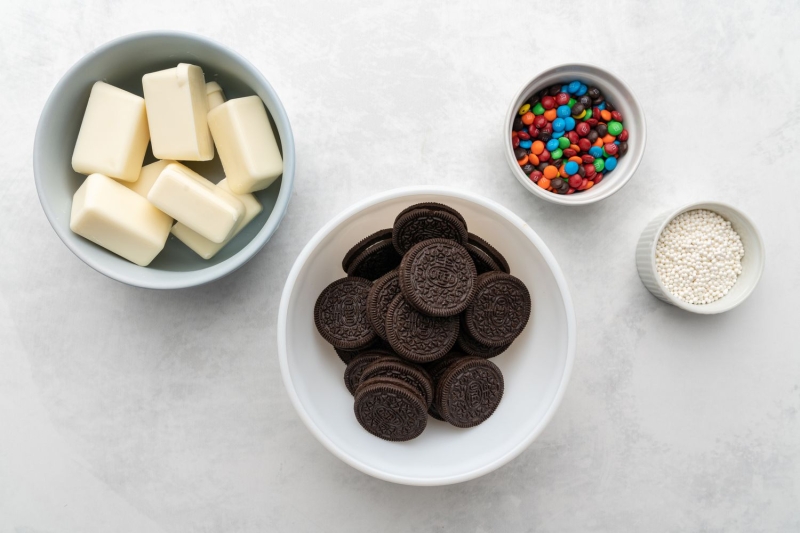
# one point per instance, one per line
(752, 262)
(536, 368)
(619, 94)
(122, 63)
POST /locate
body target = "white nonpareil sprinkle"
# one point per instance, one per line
(699, 256)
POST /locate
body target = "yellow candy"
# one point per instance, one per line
(583, 114)
(524, 109)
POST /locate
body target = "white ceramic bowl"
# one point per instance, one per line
(536, 368)
(122, 63)
(752, 262)
(618, 93)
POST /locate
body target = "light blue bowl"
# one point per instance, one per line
(122, 63)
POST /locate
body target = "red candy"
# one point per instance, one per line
(616, 115)
(623, 136)
(532, 131)
(569, 152)
(589, 170)
(611, 149)
(562, 99)
(548, 102)
(540, 121)
(587, 159)
(582, 129)
(515, 141)
(597, 178)
(573, 137)
(536, 176)
(575, 181)
(544, 156)
(585, 145)
(524, 135)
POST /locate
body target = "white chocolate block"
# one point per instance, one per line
(214, 95)
(191, 199)
(207, 249)
(246, 145)
(176, 110)
(114, 134)
(116, 218)
(147, 177)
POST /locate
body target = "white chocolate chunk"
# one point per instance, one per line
(176, 110)
(114, 134)
(147, 177)
(214, 95)
(207, 249)
(116, 218)
(191, 199)
(246, 144)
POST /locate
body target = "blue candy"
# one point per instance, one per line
(616, 142)
(595, 151)
(564, 88)
(601, 106)
(569, 123)
(611, 164)
(571, 167)
(559, 124)
(557, 134)
(582, 90)
(563, 111)
(573, 87)
(551, 145)
(525, 144)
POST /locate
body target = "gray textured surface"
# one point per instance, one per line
(131, 410)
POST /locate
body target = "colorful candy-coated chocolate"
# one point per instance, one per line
(566, 136)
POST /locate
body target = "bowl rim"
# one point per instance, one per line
(704, 309)
(354, 209)
(573, 199)
(167, 279)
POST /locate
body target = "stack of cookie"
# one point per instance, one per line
(424, 306)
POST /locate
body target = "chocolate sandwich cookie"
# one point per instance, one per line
(472, 347)
(372, 257)
(437, 277)
(469, 392)
(485, 256)
(390, 410)
(418, 337)
(433, 206)
(499, 311)
(340, 314)
(409, 373)
(380, 296)
(420, 225)
(357, 365)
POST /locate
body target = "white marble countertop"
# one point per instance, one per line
(132, 410)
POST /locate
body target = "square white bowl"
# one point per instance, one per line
(536, 368)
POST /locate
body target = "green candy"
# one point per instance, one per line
(556, 154)
(588, 114)
(538, 109)
(614, 128)
(563, 142)
(571, 102)
(599, 165)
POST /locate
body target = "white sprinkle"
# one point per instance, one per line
(699, 256)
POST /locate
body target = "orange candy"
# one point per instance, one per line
(576, 159)
(575, 147)
(527, 118)
(589, 185)
(605, 114)
(544, 183)
(599, 142)
(562, 171)
(550, 115)
(537, 148)
(533, 160)
(608, 139)
(549, 172)
(522, 162)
